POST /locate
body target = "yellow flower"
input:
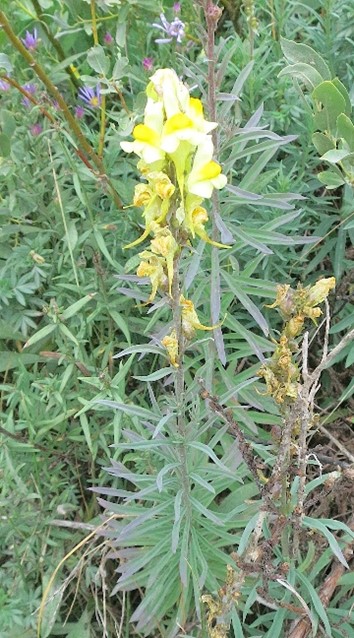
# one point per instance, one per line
(153, 268)
(184, 117)
(190, 319)
(170, 342)
(205, 174)
(147, 136)
(166, 87)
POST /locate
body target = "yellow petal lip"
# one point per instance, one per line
(210, 170)
(143, 133)
(176, 123)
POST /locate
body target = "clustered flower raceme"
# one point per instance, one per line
(281, 373)
(176, 162)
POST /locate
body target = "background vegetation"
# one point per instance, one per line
(85, 386)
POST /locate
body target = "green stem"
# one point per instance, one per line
(74, 126)
(179, 381)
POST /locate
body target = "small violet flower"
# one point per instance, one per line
(177, 7)
(79, 112)
(108, 38)
(31, 89)
(91, 96)
(36, 129)
(4, 86)
(174, 29)
(148, 64)
(31, 40)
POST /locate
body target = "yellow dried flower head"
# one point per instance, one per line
(142, 195)
(284, 300)
(320, 291)
(190, 319)
(165, 245)
(170, 342)
(36, 257)
(152, 267)
(294, 326)
(162, 184)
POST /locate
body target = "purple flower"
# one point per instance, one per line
(79, 112)
(177, 7)
(174, 29)
(4, 86)
(36, 129)
(91, 96)
(31, 89)
(108, 39)
(148, 64)
(31, 41)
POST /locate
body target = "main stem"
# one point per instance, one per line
(179, 381)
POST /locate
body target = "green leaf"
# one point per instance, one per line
(335, 155)
(121, 323)
(246, 302)
(72, 235)
(316, 601)
(98, 60)
(8, 122)
(41, 334)
(5, 63)
(75, 307)
(313, 523)
(296, 52)
(53, 600)
(65, 331)
(343, 91)
(333, 104)
(131, 410)
(5, 145)
(120, 69)
(11, 359)
(322, 142)
(345, 130)
(82, 628)
(155, 376)
(305, 72)
(330, 179)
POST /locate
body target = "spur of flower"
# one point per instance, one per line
(173, 30)
(92, 96)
